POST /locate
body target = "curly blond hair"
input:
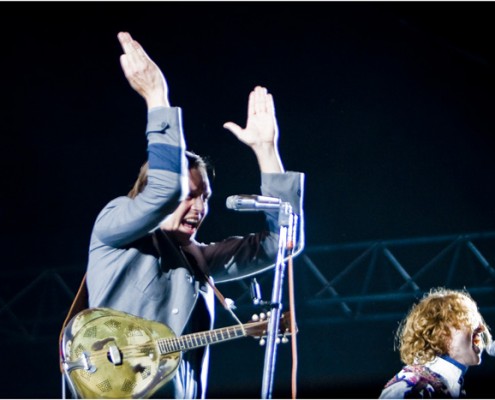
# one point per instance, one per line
(425, 332)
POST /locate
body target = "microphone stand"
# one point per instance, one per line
(287, 222)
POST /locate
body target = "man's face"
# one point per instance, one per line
(185, 221)
(467, 343)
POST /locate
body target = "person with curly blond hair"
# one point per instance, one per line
(442, 335)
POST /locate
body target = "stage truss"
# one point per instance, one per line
(334, 283)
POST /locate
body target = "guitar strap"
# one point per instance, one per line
(193, 257)
(158, 236)
(227, 304)
(81, 302)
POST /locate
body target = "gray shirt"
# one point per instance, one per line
(135, 268)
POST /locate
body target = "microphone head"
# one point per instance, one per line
(238, 200)
(252, 202)
(490, 350)
(230, 202)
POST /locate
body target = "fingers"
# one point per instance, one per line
(251, 104)
(233, 127)
(125, 40)
(133, 51)
(270, 105)
(134, 58)
(260, 101)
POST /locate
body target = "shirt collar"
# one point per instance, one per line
(451, 370)
(462, 367)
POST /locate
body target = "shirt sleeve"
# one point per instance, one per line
(238, 257)
(124, 220)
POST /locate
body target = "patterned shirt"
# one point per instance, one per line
(441, 379)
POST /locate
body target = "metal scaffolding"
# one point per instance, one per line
(379, 280)
(364, 281)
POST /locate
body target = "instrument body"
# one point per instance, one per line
(107, 353)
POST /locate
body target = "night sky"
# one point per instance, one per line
(386, 106)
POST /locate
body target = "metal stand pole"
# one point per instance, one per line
(286, 222)
(63, 387)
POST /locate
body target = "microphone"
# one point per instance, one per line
(490, 350)
(252, 202)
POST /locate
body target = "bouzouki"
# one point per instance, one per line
(111, 354)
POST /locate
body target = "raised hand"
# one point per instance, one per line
(261, 131)
(144, 76)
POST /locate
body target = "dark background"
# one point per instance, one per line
(386, 106)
